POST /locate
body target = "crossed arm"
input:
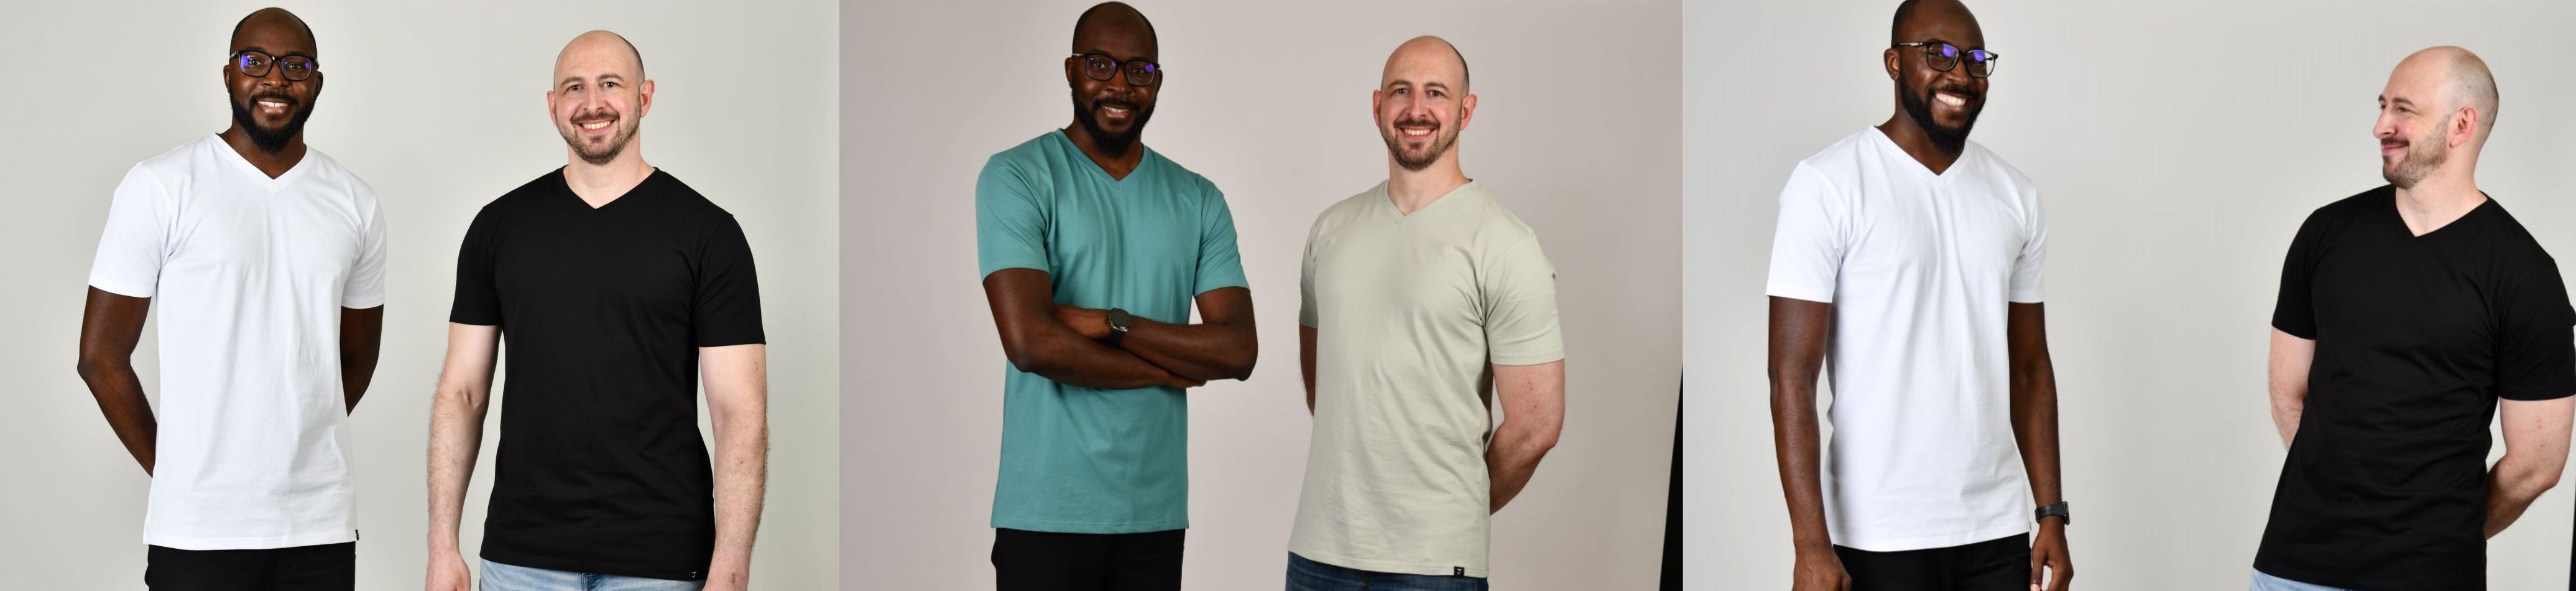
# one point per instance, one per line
(1063, 343)
(111, 324)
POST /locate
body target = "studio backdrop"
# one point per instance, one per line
(1576, 132)
(440, 107)
(2176, 147)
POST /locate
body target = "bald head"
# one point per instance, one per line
(599, 50)
(1914, 15)
(1111, 19)
(2463, 76)
(1427, 54)
(272, 20)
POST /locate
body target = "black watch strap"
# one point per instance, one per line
(1119, 321)
(2057, 510)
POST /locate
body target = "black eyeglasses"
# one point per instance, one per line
(1944, 57)
(1103, 68)
(256, 65)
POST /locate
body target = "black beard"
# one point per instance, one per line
(1919, 108)
(1113, 145)
(270, 141)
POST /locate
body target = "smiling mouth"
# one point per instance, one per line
(595, 125)
(1952, 100)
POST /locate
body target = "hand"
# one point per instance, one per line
(2050, 551)
(1091, 324)
(1819, 570)
(447, 573)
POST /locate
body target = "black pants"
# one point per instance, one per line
(327, 567)
(1998, 565)
(1050, 561)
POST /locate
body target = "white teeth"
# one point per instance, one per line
(272, 104)
(1951, 100)
(594, 125)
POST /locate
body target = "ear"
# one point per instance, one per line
(1890, 57)
(1377, 106)
(2464, 126)
(1466, 111)
(550, 105)
(1072, 69)
(644, 94)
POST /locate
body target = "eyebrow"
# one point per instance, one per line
(602, 78)
(266, 51)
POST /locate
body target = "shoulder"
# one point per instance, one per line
(1490, 216)
(1844, 157)
(686, 198)
(2343, 211)
(2515, 244)
(1172, 173)
(1034, 153)
(340, 178)
(2001, 171)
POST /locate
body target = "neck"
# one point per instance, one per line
(1414, 190)
(273, 165)
(1117, 166)
(2439, 199)
(1918, 144)
(598, 184)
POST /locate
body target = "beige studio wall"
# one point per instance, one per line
(1576, 132)
(2177, 146)
(440, 107)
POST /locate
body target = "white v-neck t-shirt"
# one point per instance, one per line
(1919, 269)
(248, 275)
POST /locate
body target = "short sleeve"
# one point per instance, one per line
(2536, 346)
(1219, 265)
(1011, 220)
(2028, 279)
(725, 308)
(136, 241)
(1306, 313)
(365, 286)
(1519, 297)
(2294, 312)
(1808, 242)
(477, 301)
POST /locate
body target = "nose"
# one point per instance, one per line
(2385, 127)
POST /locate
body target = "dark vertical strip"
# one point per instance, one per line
(1673, 511)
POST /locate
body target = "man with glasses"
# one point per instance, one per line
(1419, 295)
(1093, 248)
(1911, 258)
(2410, 316)
(267, 259)
(621, 290)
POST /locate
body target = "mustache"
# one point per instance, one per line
(1954, 89)
(1434, 124)
(1113, 102)
(273, 96)
(594, 116)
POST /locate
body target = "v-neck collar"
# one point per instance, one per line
(272, 184)
(2397, 217)
(564, 181)
(1386, 201)
(1917, 166)
(1095, 168)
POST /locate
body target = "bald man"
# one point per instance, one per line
(1418, 295)
(267, 259)
(1093, 249)
(1911, 258)
(2409, 316)
(620, 290)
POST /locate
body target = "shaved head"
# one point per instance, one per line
(2470, 83)
(1111, 17)
(1913, 9)
(590, 44)
(1428, 47)
(272, 17)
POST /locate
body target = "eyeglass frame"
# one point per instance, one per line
(1117, 68)
(311, 66)
(1931, 49)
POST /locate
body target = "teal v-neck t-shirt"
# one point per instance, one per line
(1088, 460)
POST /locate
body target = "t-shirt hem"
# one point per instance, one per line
(121, 288)
(1090, 527)
(362, 303)
(1931, 542)
(1222, 285)
(1429, 570)
(622, 570)
(2320, 578)
(1799, 293)
(989, 270)
(252, 543)
(1540, 359)
(2537, 393)
(2026, 297)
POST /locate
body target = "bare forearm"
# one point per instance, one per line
(120, 398)
(2035, 432)
(742, 471)
(1081, 362)
(1203, 352)
(1794, 439)
(1512, 458)
(455, 439)
(2512, 485)
(2285, 415)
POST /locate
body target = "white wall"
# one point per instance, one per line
(1576, 133)
(440, 106)
(2172, 187)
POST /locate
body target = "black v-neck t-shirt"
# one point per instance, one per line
(2416, 338)
(602, 311)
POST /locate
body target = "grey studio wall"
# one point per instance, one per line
(440, 107)
(2177, 146)
(1576, 133)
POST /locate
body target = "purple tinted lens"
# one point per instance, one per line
(1949, 51)
(1981, 56)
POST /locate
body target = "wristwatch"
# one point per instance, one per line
(1119, 322)
(2057, 510)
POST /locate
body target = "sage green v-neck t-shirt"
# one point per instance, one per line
(1411, 311)
(1088, 460)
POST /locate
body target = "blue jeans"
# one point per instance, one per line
(503, 577)
(1308, 575)
(2265, 582)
